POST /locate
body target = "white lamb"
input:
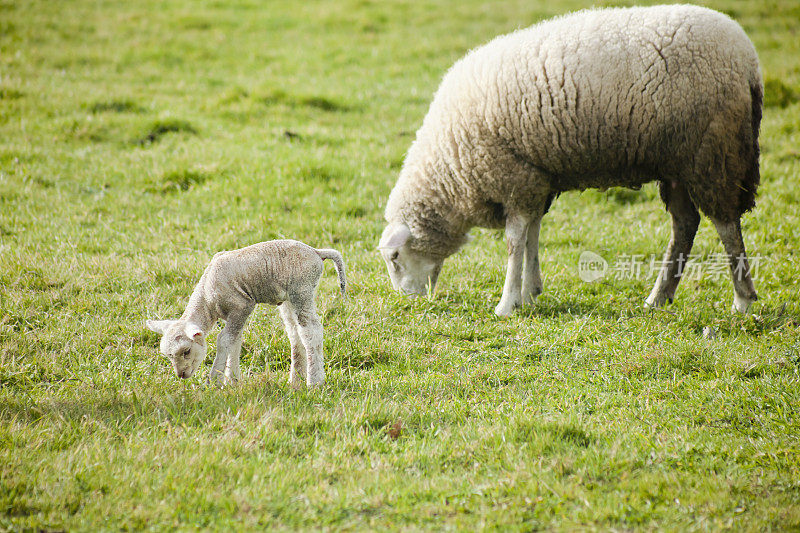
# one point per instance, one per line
(283, 273)
(598, 98)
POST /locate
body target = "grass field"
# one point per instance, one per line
(139, 138)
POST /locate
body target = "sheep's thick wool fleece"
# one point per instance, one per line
(599, 98)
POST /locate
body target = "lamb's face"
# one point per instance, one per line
(411, 272)
(182, 343)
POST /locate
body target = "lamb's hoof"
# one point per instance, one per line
(296, 384)
(233, 378)
(315, 381)
(215, 379)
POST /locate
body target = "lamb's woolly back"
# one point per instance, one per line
(597, 98)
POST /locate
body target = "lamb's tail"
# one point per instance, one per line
(338, 262)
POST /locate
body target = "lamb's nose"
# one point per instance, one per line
(184, 374)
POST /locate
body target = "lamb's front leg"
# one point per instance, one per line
(229, 346)
(297, 372)
(217, 374)
(516, 232)
(531, 275)
(225, 369)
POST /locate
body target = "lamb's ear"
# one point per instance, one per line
(158, 326)
(194, 332)
(394, 237)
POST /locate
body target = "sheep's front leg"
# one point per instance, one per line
(297, 372)
(309, 328)
(531, 275)
(516, 232)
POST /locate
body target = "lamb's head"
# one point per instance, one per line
(412, 271)
(183, 343)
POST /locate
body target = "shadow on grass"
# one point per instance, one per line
(179, 181)
(116, 106)
(163, 127)
(550, 437)
(193, 407)
(549, 307)
(320, 103)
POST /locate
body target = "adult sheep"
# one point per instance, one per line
(598, 98)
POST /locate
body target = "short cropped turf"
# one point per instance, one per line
(139, 138)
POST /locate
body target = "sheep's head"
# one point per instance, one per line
(183, 343)
(411, 271)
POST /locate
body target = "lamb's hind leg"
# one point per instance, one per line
(309, 328)
(297, 372)
(744, 293)
(685, 220)
(516, 233)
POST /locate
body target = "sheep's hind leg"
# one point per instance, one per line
(309, 328)
(297, 372)
(531, 275)
(516, 233)
(685, 220)
(744, 293)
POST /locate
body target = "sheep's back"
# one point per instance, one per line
(596, 98)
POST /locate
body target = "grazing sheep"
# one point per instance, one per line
(598, 98)
(283, 273)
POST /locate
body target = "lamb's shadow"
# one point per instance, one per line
(191, 408)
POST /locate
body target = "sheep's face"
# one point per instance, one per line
(411, 272)
(182, 343)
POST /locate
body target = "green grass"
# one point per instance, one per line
(139, 138)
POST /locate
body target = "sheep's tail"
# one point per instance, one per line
(753, 174)
(338, 262)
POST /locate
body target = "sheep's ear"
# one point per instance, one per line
(158, 326)
(394, 237)
(194, 332)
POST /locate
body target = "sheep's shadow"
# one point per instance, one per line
(561, 307)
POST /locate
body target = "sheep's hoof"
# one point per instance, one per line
(741, 304)
(658, 300)
(505, 310)
(530, 297)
